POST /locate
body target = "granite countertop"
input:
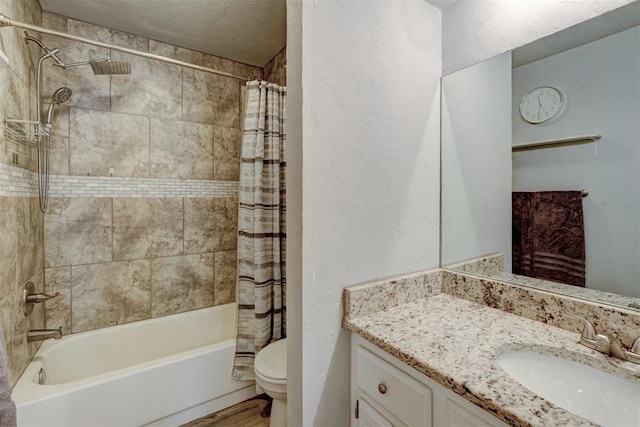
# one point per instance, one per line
(455, 342)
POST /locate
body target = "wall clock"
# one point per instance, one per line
(541, 104)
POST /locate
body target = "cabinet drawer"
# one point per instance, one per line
(397, 392)
(457, 416)
(369, 417)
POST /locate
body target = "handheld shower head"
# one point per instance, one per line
(60, 96)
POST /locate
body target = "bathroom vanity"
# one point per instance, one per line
(389, 393)
(421, 356)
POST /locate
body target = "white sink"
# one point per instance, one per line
(600, 397)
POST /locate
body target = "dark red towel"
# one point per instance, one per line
(548, 236)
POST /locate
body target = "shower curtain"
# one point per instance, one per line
(261, 226)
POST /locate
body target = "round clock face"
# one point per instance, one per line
(541, 104)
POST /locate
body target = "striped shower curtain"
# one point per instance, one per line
(261, 226)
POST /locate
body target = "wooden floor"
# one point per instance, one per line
(244, 414)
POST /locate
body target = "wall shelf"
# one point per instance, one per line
(574, 140)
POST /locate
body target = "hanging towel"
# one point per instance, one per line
(548, 236)
(7, 407)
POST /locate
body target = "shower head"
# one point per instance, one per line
(60, 96)
(108, 67)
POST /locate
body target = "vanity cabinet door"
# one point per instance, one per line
(457, 416)
(407, 398)
(399, 394)
(369, 417)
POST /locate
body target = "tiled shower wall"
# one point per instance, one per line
(21, 244)
(143, 217)
(275, 71)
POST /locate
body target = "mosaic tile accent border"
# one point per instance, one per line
(19, 182)
(101, 186)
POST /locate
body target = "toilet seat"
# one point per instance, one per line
(271, 362)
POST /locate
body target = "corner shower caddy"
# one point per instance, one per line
(30, 133)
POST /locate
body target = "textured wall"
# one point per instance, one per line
(21, 246)
(276, 70)
(474, 30)
(370, 144)
(162, 240)
(294, 211)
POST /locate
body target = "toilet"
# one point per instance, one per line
(271, 374)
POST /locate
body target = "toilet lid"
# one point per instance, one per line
(271, 361)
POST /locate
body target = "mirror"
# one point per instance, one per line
(541, 163)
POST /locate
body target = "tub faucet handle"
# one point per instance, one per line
(38, 298)
(30, 297)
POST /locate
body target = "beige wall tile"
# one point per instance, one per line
(181, 149)
(275, 71)
(204, 59)
(59, 161)
(210, 225)
(77, 231)
(225, 277)
(107, 35)
(22, 60)
(53, 21)
(181, 283)
(20, 224)
(147, 228)
(233, 67)
(8, 243)
(15, 326)
(30, 248)
(58, 310)
(153, 88)
(109, 294)
(13, 105)
(179, 53)
(101, 140)
(226, 151)
(209, 98)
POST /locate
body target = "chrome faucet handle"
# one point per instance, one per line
(603, 344)
(633, 355)
(38, 298)
(615, 347)
(588, 330)
(30, 298)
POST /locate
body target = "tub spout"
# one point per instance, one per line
(44, 334)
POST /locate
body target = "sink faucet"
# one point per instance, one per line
(44, 334)
(608, 344)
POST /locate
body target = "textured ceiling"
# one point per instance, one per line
(249, 31)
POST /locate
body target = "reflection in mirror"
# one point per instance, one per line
(526, 136)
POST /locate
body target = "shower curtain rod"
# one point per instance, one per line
(5, 21)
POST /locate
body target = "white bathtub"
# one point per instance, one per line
(163, 371)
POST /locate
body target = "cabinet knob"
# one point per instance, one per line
(382, 388)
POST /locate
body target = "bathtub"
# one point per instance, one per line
(158, 372)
